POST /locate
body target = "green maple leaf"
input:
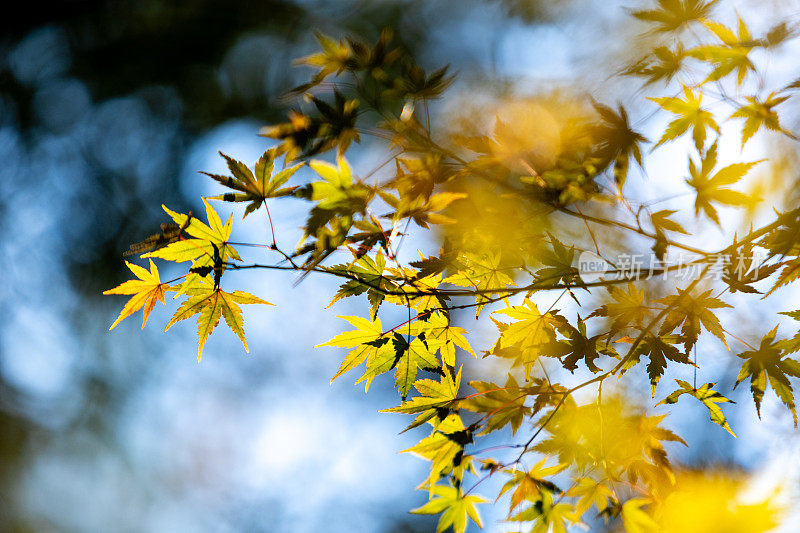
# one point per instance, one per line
(443, 448)
(690, 115)
(370, 278)
(768, 364)
(410, 357)
(212, 303)
(439, 334)
(254, 187)
(145, 292)
(455, 507)
(336, 190)
(435, 397)
(370, 346)
(690, 312)
(709, 397)
(673, 15)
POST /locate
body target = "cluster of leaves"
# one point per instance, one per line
(565, 180)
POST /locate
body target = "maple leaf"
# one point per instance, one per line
(436, 397)
(502, 405)
(661, 221)
(790, 272)
(416, 177)
(348, 54)
(731, 55)
(618, 140)
(211, 303)
(415, 84)
(558, 264)
(432, 265)
(333, 126)
(410, 357)
(443, 448)
(627, 309)
(662, 64)
(338, 199)
(659, 350)
(577, 346)
(740, 272)
(208, 248)
(333, 58)
(369, 274)
(709, 397)
(422, 209)
(369, 345)
(420, 293)
(254, 187)
(690, 312)
(673, 15)
(455, 507)
(531, 485)
(439, 334)
(777, 35)
(590, 493)
(336, 194)
(785, 239)
(549, 516)
(482, 272)
(713, 188)
(690, 114)
(624, 441)
(146, 291)
(635, 519)
(530, 332)
(767, 363)
(792, 345)
(758, 114)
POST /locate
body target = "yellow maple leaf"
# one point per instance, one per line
(212, 303)
(146, 291)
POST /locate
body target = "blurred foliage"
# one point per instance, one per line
(101, 104)
(525, 188)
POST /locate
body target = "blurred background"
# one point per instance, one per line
(108, 109)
